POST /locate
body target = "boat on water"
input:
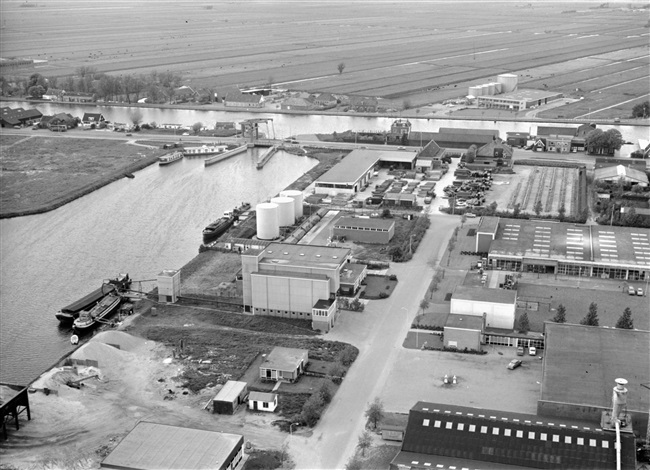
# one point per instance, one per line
(89, 318)
(219, 226)
(70, 312)
(170, 158)
(204, 150)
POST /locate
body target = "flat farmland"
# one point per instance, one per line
(390, 50)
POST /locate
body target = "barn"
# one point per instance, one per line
(231, 395)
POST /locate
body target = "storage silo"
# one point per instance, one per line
(509, 82)
(491, 88)
(474, 90)
(286, 210)
(268, 226)
(498, 87)
(297, 200)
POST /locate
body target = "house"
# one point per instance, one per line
(243, 100)
(260, 401)
(325, 100)
(614, 174)
(59, 121)
(231, 395)
(74, 97)
(517, 139)
(163, 447)
(284, 364)
(493, 154)
(297, 104)
(53, 94)
(93, 119)
(184, 93)
(364, 104)
(19, 117)
(400, 127)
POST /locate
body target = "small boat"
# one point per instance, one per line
(129, 175)
(68, 313)
(170, 158)
(204, 150)
(88, 319)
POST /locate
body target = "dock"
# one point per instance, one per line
(266, 157)
(225, 155)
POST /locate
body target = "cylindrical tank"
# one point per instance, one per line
(286, 210)
(509, 82)
(268, 227)
(491, 88)
(297, 200)
(475, 90)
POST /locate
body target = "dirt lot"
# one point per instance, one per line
(40, 173)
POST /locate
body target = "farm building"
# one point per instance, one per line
(517, 139)
(325, 100)
(243, 100)
(498, 305)
(231, 395)
(163, 447)
(364, 230)
(464, 331)
(297, 103)
(461, 138)
(491, 155)
(184, 93)
(519, 100)
(583, 389)
(288, 280)
(615, 174)
(352, 275)
(284, 364)
(260, 401)
(450, 436)
(564, 248)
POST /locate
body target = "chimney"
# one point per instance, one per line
(619, 400)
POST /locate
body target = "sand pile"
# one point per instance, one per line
(125, 341)
(104, 354)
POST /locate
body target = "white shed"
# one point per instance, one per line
(498, 305)
(260, 401)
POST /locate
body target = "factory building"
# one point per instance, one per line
(518, 100)
(365, 230)
(565, 249)
(294, 281)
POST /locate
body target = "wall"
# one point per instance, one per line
(365, 236)
(497, 315)
(283, 293)
(483, 241)
(470, 339)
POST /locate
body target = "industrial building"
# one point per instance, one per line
(551, 247)
(365, 230)
(353, 173)
(284, 364)
(231, 395)
(448, 436)
(163, 447)
(464, 331)
(293, 281)
(518, 100)
(352, 275)
(498, 305)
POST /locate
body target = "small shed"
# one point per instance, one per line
(260, 401)
(231, 395)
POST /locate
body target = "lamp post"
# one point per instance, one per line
(291, 427)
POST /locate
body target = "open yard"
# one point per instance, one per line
(389, 51)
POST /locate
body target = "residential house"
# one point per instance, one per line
(91, 119)
(430, 153)
(297, 104)
(284, 364)
(19, 117)
(58, 121)
(184, 93)
(54, 94)
(493, 154)
(325, 100)
(364, 104)
(260, 401)
(243, 100)
(74, 97)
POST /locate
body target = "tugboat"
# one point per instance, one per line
(88, 319)
(170, 158)
(70, 312)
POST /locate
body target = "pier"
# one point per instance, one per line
(223, 156)
(266, 157)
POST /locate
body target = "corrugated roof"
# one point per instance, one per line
(159, 446)
(548, 130)
(620, 171)
(230, 391)
(351, 168)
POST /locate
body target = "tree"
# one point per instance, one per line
(336, 372)
(311, 410)
(524, 323)
(516, 210)
(135, 116)
(354, 463)
(625, 321)
(470, 155)
(375, 412)
(641, 110)
(365, 441)
(325, 392)
(341, 67)
(538, 207)
(591, 319)
(492, 208)
(196, 127)
(348, 354)
(560, 315)
(424, 304)
(36, 91)
(562, 212)
(406, 104)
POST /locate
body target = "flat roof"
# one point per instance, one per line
(572, 243)
(485, 294)
(582, 362)
(282, 358)
(351, 168)
(523, 95)
(363, 222)
(303, 255)
(488, 224)
(351, 272)
(164, 447)
(230, 391)
(467, 322)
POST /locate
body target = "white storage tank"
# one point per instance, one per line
(491, 88)
(268, 227)
(286, 211)
(499, 88)
(475, 90)
(509, 82)
(297, 200)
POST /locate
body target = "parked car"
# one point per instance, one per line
(514, 364)
(630, 290)
(469, 215)
(532, 351)
(639, 292)
(520, 351)
(427, 200)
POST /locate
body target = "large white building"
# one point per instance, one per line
(294, 281)
(497, 305)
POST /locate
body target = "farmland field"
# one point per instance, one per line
(426, 51)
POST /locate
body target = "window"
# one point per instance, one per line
(265, 405)
(581, 441)
(449, 425)
(495, 431)
(472, 428)
(507, 432)
(520, 433)
(556, 438)
(592, 442)
(461, 426)
(437, 424)
(542, 436)
(605, 444)
(567, 439)
(483, 429)
(425, 422)
(531, 435)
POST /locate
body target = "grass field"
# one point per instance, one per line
(428, 51)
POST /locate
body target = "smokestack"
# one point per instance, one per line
(619, 400)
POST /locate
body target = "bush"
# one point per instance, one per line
(348, 355)
(383, 295)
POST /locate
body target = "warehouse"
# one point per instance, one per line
(566, 249)
(498, 305)
(364, 230)
(163, 447)
(231, 395)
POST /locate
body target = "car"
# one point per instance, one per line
(630, 290)
(520, 351)
(186, 133)
(532, 351)
(514, 364)
(639, 292)
(469, 215)
(401, 148)
(128, 134)
(427, 200)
